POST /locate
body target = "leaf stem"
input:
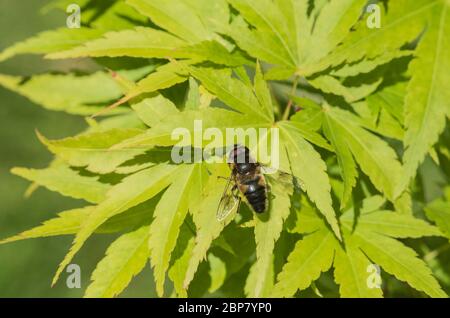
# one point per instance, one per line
(290, 102)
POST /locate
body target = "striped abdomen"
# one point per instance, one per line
(255, 191)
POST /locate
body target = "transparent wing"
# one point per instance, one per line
(282, 177)
(228, 203)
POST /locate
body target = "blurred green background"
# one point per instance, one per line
(27, 267)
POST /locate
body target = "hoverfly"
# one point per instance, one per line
(246, 178)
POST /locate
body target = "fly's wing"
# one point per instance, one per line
(228, 203)
(284, 178)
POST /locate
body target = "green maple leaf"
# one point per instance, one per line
(125, 258)
(181, 256)
(205, 220)
(371, 239)
(152, 110)
(255, 110)
(217, 272)
(427, 100)
(61, 178)
(397, 29)
(67, 222)
(382, 112)
(51, 41)
(70, 222)
(131, 44)
(190, 30)
(352, 143)
(168, 218)
(70, 93)
(296, 42)
(439, 212)
(315, 180)
(167, 213)
(91, 150)
(267, 232)
(119, 199)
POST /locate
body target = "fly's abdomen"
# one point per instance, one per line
(255, 192)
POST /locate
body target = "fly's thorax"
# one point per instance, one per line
(240, 155)
(246, 168)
